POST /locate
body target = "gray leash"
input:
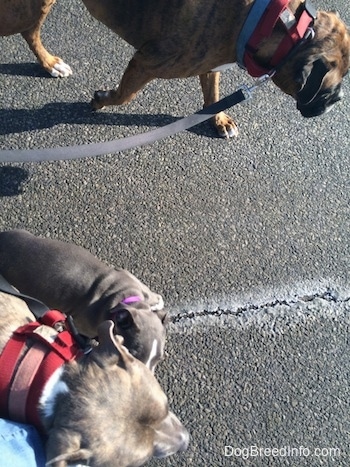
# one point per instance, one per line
(98, 149)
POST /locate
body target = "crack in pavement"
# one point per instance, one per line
(329, 295)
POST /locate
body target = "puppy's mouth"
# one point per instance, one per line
(322, 102)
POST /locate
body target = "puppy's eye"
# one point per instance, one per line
(124, 319)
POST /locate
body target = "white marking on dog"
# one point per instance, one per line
(61, 70)
(154, 353)
(158, 306)
(51, 389)
(224, 67)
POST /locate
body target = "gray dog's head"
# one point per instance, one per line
(142, 329)
(113, 412)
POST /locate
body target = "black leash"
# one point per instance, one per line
(118, 145)
(37, 307)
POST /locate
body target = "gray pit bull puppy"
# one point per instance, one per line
(102, 409)
(68, 278)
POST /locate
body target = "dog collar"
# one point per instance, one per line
(263, 17)
(30, 357)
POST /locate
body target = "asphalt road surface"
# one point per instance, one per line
(247, 240)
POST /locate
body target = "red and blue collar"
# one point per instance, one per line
(263, 17)
(34, 352)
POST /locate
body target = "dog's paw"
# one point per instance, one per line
(99, 99)
(225, 126)
(159, 305)
(60, 70)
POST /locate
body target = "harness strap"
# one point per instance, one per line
(49, 365)
(30, 357)
(295, 34)
(8, 361)
(259, 25)
(257, 10)
(17, 401)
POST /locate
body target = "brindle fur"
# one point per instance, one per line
(182, 38)
(27, 17)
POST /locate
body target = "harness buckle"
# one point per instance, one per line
(309, 34)
(288, 19)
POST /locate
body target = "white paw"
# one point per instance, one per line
(158, 306)
(61, 70)
(228, 133)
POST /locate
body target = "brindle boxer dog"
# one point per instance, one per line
(180, 39)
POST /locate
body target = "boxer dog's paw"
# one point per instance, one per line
(60, 69)
(99, 99)
(225, 126)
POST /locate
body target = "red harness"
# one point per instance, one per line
(30, 357)
(295, 29)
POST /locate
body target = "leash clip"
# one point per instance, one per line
(248, 90)
(82, 341)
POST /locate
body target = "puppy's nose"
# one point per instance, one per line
(170, 437)
(184, 440)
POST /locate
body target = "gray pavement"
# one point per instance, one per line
(247, 240)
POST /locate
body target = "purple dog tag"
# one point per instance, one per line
(132, 299)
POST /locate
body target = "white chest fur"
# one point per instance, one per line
(52, 388)
(224, 67)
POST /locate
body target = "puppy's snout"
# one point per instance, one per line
(171, 437)
(184, 440)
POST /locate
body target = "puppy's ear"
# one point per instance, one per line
(82, 454)
(69, 444)
(163, 316)
(157, 304)
(311, 79)
(112, 344)
(158, 308)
